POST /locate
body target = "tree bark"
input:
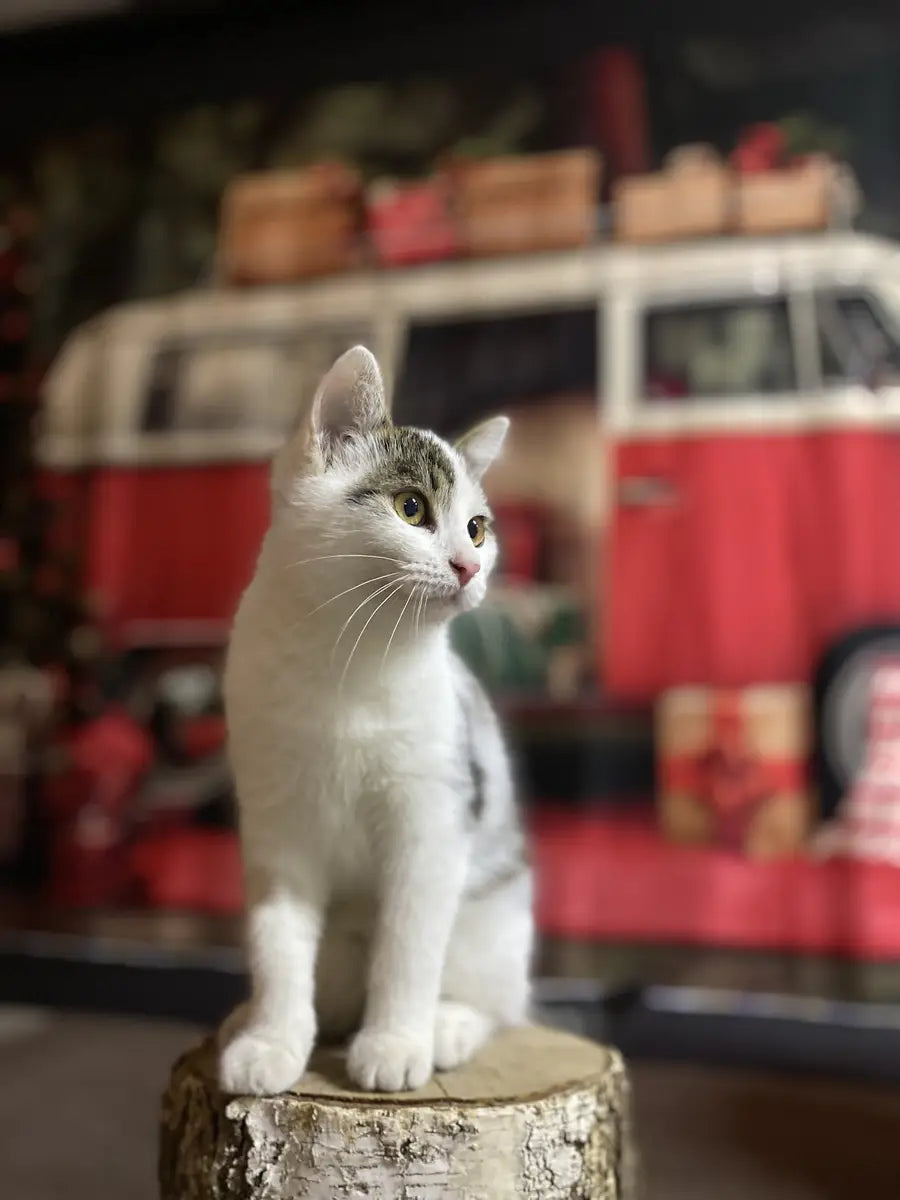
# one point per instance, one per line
(539, 1115)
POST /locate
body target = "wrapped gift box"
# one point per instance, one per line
(733, 767)
(412, 222)
(527, 203)
(280, 226)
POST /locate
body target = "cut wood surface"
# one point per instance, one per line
(539, 1114)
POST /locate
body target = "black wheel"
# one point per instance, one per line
(841, 706)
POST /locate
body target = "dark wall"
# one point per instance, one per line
(167, 53)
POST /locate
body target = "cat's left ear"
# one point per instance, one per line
(350, 401)
(481, 445)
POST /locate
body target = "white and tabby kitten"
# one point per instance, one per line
(387, 886)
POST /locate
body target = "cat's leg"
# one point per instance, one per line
(422, 865)
(485, 985)
(270, 1049)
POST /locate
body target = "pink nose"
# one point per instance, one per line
(464, 569)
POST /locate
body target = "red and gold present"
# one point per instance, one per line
(279, 226)
(733, 767)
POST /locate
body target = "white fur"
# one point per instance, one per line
(378, 902)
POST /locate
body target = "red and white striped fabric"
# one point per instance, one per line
(870, 816)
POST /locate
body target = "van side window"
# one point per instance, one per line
(238, 380)
(726, 349)
(457, 370)
(857, 344)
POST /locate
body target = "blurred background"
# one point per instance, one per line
(669, 247)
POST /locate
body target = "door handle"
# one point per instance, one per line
(647, 491)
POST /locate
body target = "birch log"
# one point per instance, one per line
(539, 1115)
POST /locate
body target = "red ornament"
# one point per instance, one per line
(202, 736)
(412, 222)
(759, 148)
(111, 753)
(107, 758)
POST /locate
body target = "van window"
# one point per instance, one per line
(237, 380)
(727, 349)
(459, 370)
(857, 343)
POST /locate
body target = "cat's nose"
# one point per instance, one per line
(465, 569)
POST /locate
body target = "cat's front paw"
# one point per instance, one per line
(384, 1061)
(264, 1060)
(459, 1031)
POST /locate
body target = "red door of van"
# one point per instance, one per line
(756, 511)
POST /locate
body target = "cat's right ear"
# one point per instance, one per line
(349, 403)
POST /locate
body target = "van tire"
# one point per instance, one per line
(839, 697)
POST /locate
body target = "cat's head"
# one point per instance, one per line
(360, 501)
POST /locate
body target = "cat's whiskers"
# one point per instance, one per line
(359, 637)
(327, 557)
(354, 588)
(371, 596)
(397, 626)
(423, 593)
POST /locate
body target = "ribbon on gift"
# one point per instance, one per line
(729, 776)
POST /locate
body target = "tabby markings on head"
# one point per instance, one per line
(409, 458)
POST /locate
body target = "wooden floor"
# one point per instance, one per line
(79, 1099)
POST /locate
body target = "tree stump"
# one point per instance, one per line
(539, 1115)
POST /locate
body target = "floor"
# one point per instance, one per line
(78, 1101)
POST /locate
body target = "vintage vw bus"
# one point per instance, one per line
(712, 428)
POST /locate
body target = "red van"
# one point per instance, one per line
(744, 394)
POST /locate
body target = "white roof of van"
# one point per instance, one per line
(526, 279)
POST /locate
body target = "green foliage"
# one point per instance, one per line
(805, 133)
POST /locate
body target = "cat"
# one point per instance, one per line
(388, 890)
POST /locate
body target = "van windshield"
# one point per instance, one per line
(859, 336)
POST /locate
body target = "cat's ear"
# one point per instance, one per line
(350, 401)
(481, 445)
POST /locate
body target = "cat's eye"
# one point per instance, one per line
(411, 507)
(476, 528)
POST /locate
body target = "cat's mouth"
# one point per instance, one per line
(456, 599)
(440, 596)
(444, 596)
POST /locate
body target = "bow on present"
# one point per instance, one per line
(729, 776)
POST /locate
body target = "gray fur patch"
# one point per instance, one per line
(408, 458)
(475, 707)
(477, 802)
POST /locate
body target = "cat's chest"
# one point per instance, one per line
(354, 759)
